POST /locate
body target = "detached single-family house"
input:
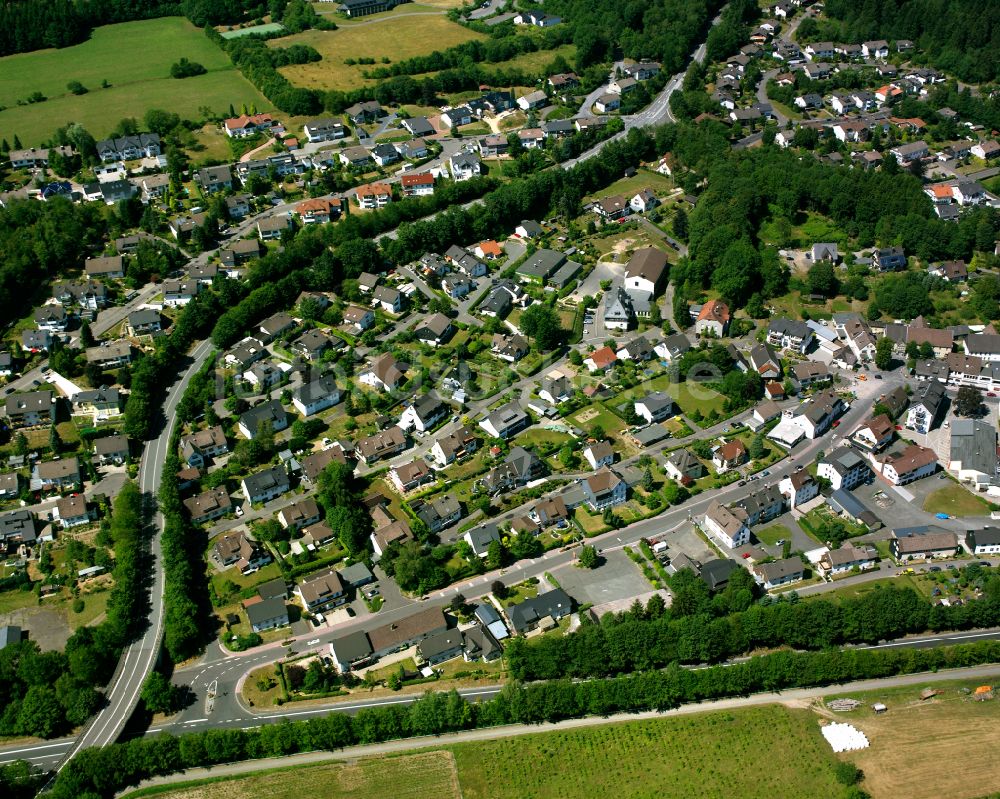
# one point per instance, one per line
(712, 319)
(911, 464)
(729, 456)
(317, 395)
(506, 422)
(265, 485)
(778, 573)
(209, 505)
(267, 413)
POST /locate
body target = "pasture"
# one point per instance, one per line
(394, 36)
(135, 59)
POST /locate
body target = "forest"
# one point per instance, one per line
(958, 36)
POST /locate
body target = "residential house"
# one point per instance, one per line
(983, 542)
(506, 422)
(983, 345)
(789, 334)
(178, 293)
(464, 166)
(922, 543)
(454, 446)
(519, 467)
(381, 445)
(987, 149)
(510, 347)
(729, 455)
(316, 395)
(267, 614)
(434, 330)
(320, 592)
(810, 373)
(541, 611)
(31, 409)
(197, 448)
(440, 514)
(638, 349)
(778, 573)
(672, 347)
(369, 110)
(388, 299)
(73, 512)
(646, 272)
(726, 525)
(798, 488)
(100, 403)
(847, 558)
(237, 549)
(246, 125)
(129, 148)
(456, 286)
(607, 103)
(265, 485)
(617, 309)
(420, 184)
(384, 154)
(712, 319)
(644, 201)
(875, 434)
(271, 227)
(423, 413)
(319, 210)
(267, 413)
(655, 407)
(910, 151)
(356, 158)
(111, 450)
(312, 344)
(398, 635)
(684, 466)
(844, 468)
(612, 208)
(385, 373)
(604, 489)
(359, 319)
(328, 129)
(599, 454)
(209, 505)
(911, 464)
(533, 100)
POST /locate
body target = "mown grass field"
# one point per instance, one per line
(393, 36)
(710, 755)
(135, 58)
(926, 749)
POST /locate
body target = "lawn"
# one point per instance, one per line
(417, 776)
(773, 534)
(688, 396)
(137, 84)
(956, 501)
(643, 179)
(704, 755)
(591, 523)
(919, 584)
(597, 414)
(398, 40)
(931, 738)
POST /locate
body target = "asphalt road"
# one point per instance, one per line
(140, 657)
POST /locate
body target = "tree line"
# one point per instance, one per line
(97, 773)
(639, 641)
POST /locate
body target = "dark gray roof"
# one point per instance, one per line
(266, 609)
(555, 603)
(716, 572)
(351, 647)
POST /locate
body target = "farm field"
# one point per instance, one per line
(949, 729)
(417, 776)
(377, 37)
(137, 84)
(705, 755)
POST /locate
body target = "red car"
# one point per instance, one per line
(837, 423)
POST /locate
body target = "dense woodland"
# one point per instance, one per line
(959, 36)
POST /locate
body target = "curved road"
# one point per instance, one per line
(141, 656)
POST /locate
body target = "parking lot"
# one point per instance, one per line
(617, 578)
